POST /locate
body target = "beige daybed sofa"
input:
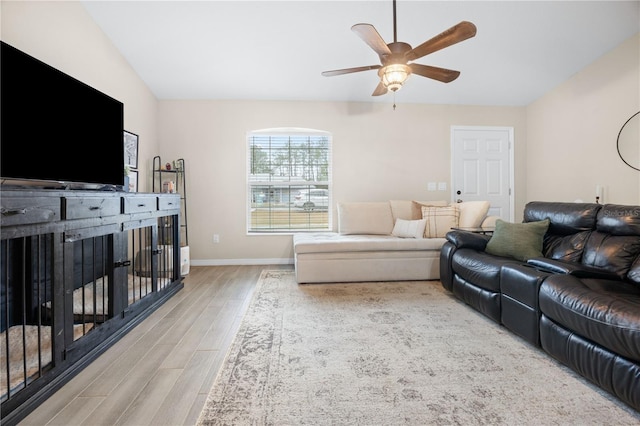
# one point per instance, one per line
(394, 240)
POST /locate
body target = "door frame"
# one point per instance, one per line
(512, 189)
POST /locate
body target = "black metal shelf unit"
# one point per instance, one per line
(176, 173)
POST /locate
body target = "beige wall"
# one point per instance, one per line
(572, 132)
(63, 35)
(378, 154)
(564, 142)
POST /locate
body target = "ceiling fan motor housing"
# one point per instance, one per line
(398, 51)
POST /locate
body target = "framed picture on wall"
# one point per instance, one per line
(130, 150)
(133, 181)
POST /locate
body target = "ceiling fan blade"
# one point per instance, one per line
(380, 90)
(350, 70)
(441, 74)
(453, 35)
(371, 36)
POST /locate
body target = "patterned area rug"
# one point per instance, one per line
(389, 354)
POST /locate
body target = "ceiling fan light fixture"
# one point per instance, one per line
(393, 76)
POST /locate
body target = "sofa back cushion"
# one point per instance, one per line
(411, 210)
(568, 248)
(365, 218)
(614, 253)
(634, 272)
(570, 225)
(616, 219)
(472, 213)
(565, 218)
(615, 245)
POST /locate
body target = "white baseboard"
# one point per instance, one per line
(225, 262)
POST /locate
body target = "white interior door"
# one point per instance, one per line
(482, 167)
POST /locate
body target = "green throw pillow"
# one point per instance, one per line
(520, 241)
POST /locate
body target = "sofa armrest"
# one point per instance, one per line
(568, 268)
(464, 239)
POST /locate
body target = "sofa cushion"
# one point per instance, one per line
(634, 272)
(619, 220)
(472, 213)
(479, 268)
(373, 218)
(411, 210)
(613, 253)
(622, 225)
(520, 241)
(568, 248)
(409, 228)
(602, 311)
(566, 218)
(440, 220)
(331, 242)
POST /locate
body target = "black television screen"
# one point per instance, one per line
(56, 130)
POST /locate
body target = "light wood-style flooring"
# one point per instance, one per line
(160, 373)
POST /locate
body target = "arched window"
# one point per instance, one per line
(289, 180)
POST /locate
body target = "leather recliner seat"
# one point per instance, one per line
(475, 276)
(590, 312)
(580, 302)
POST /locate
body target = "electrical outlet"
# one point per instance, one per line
(442, 186)
(216, 238)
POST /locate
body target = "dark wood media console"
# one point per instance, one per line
(78, 270)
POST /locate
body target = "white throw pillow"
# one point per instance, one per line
(409, 228)
(440, 220)
(472, 213)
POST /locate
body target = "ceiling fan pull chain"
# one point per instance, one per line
(394, 101)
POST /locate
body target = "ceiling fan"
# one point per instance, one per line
(395, 57)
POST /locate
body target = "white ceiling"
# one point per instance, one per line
(276, 50)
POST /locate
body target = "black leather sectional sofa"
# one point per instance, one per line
(579, 302)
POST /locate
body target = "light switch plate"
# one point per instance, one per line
(431, 186)
(442, 186)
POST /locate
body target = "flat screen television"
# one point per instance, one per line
(56, 131)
